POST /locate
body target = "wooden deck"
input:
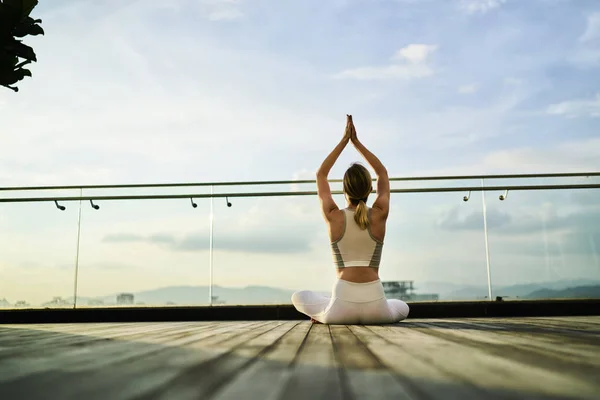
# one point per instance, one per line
(512, 358)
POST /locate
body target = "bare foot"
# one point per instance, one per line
(314, 321)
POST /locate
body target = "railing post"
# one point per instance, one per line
(210, 252)
(77, 252)
(487, 248)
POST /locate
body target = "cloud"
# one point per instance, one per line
(587, 50)
(570, 156)
(479, 6)
(213, 10)
(468, 89)
(586, 198)
(411, 62)
(576, 108)
(224, 10)
(275, 242)
(255, 230)
(592, 30)
(303, 174)
(524, 220)
(540, 232)
(123, 238)
(453, 221)
(414, 53)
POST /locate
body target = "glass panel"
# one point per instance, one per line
(435, 243)
(266, 248)
(545, 244)
(37, 252)
(144, 252)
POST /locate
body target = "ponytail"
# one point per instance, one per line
(361, 215)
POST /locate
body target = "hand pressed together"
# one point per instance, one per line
(350, 132)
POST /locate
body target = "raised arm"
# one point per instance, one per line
(382, 201)
(324, 191)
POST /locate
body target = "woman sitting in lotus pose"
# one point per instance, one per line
(356, 235)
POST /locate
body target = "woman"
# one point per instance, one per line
(356, 235)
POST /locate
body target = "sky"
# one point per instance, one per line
(235, 90)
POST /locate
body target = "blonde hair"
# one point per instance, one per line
(357, 186)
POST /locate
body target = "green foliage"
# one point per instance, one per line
(15, 22)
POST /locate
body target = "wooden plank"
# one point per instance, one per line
(592, 320)
(366, 376)
(54, 341)
(268, 376)
(101, 355)
(420, 378)
(535, 325)
(492, 372)
(565, 326)
(113, 365)
(68, 342)
(204, 379)
(178, 372)
(547, 340)
(25, 334)
(534, 331)
(315, 372)
(548, 351)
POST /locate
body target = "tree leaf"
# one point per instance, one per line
(8, 62)
(14, 77)
(28, 6)
(23, 29)
(21, 50)
(25, 72)
(20, 9)
(5, 22)
(14, 89)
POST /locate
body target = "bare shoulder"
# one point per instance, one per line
(336, 216)
(379, 215)
(336, 224)
(378, 222)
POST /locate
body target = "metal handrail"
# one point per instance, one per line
(296, 193)
(301, 181)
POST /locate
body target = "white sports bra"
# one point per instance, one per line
(356, 247)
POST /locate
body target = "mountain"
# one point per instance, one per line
(198, 295)
(579, 292)
(512, 291)
(444, 289)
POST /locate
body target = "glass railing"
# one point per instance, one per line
(448, 238)
(545, 244)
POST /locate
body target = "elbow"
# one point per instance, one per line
(382, 172)
(321, 173)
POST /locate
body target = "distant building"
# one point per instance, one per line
(125, 298)
(58, 301)
(404, 290)
(426, 297)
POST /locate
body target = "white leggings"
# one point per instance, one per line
(351, 303)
